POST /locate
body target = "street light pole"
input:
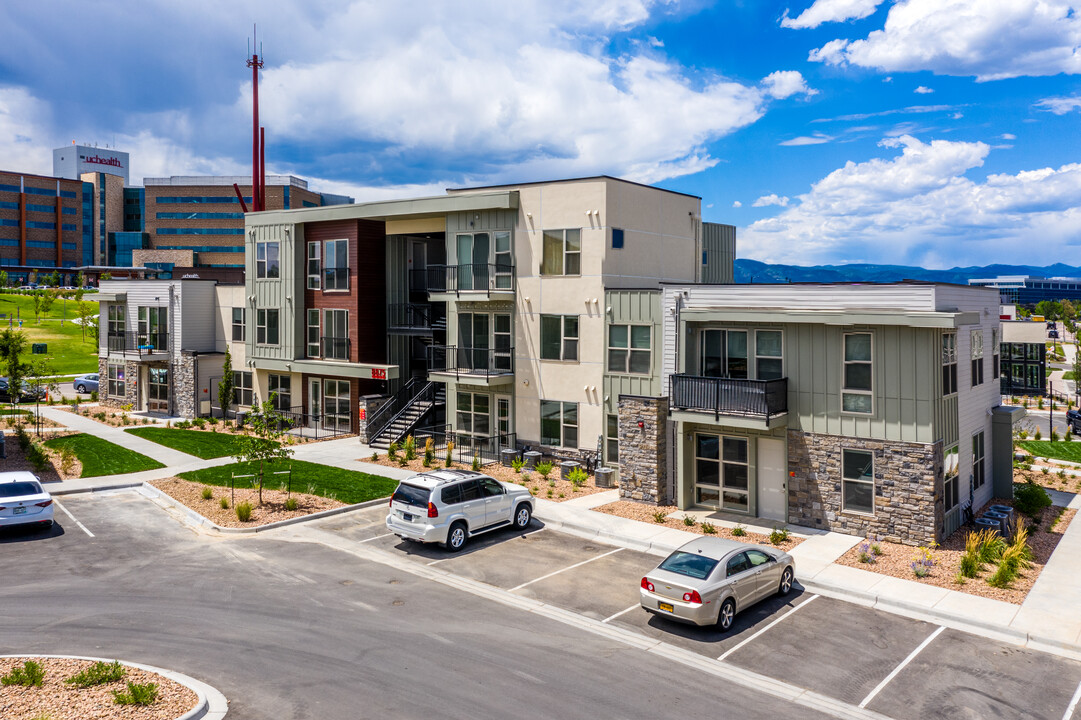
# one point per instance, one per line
(1050, 414)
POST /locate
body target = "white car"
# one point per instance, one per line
(23, 501)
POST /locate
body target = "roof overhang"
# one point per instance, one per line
(835, 317)
(390, 209)
(115, 297)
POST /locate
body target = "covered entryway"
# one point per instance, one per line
(157, 389)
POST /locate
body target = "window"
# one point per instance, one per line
(503, 415)
(559, 424)
(559, 337)
(115, 384)
(451, 494)
(504, 262)
(473, 414)
(856, 383)
(116, 319)
(280, 387)
(721, 471)
(242, 388)
(267, 262)
(335, 339)
(611, 440)
(239, 332)
(858, 481)
(768, 359)
(562, 252)
(490, 487)
(738, 564)
(995, 350)
(504, 354)
(266, 327)
(629, 348)
(979, 472)
(315, 269)
(336, 404)
(617, 239)
(336, 265)
(977, 357)
(313, 332)
(949, 363)
(723, 353)
(949, 484)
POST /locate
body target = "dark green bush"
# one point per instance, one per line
(29, 675)
(1030, 499)
(137, 694)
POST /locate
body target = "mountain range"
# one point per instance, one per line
(753, 271)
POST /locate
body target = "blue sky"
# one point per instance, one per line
(927, 132)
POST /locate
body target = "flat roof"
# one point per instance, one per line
(40, 177)
(433, 206)
(840, 283)
(576, 179)
(224, 180)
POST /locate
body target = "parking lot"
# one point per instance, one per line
(894, 665)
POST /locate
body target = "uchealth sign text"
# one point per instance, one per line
(99, 160)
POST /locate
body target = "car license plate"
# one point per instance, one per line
(667, 607)
(408, 518)
(19, 510)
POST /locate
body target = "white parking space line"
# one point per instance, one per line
(65, 511)
(622, 612)
(1073, 703)
(376, 537)
(911, 656)
(562, 570)
(740, 644)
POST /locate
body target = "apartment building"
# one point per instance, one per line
(46, 225)
(1024, 358)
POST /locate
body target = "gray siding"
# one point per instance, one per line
(633, 307)
(285, 293)
(719, 244)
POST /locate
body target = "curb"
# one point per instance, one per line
(210, 703)
(94, 488)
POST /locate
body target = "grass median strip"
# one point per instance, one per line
(347, 486)
(1055, 450)
(101, 457)
(200, 443)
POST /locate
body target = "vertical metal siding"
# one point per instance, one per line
(719, 244)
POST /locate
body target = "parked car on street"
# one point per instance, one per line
(86, 383)
(450, 506)
(709, 580)
(23, 501)
(1073, 419)
(26, 395)
(1053, 333)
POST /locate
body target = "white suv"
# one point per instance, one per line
(449, 506)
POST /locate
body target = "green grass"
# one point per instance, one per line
(68, 352)
(200, 443)
(348, 486)
(1057, 450)
(1068, 375)
(101, 457)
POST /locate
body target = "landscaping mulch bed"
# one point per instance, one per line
(561, 490)
(9, 422)
(896, 559)
(57, 700)
(644, 513)
(1050, 480)
(54, 472)
(271, 510)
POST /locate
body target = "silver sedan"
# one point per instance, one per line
(709, 580)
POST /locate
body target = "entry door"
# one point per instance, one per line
(473, 253)
(772, 480)
(158, 390)
(473, 341)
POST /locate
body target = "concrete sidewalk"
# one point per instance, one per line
(164, 455)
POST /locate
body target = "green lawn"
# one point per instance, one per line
(348, 486)
(1068, 375)
(68, 351)
(1058, 450)
(101, 457)
(200, 443)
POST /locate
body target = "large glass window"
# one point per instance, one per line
(336, 265)
(721, 472)
(473, 414)
(336, 334)
(856, 385)
(559, 424)
(116, 319)
(115, 385)
(239, 331)
(979, 471)
(242, 388)
(559, 337)
(562, 252)
(280, 386)
(266, 327)
(629, 348)
(336, 405)
(267, 261)
(769, 361)
(977, 357)
(315, 269)
(949, 363)
(723, 353)
(858, 481)
(950, 474)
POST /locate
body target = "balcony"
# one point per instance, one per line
(333, 348)
(730, 397)
(479, 366)
(413, 319)
(142, 343)
(486, 278)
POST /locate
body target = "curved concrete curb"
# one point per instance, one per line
(210, 703)
(194, 518)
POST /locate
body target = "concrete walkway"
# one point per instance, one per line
(117, 436)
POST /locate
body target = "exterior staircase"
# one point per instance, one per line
(406, 411)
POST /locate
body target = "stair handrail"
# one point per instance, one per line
(380, 420)
(426, 394)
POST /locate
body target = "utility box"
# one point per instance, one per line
(39, 348)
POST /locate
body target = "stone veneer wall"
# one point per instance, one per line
(908, 487)
(185, 373)
(131, 387)
(643, 451)
(368, 405)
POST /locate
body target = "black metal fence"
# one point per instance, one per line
(729, 396)
(409, 316)
(298, 421)
(485, 448)
(483, 362)
(470, 277)
(141, 342)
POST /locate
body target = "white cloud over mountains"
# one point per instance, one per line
(919, 208)
(988, 39)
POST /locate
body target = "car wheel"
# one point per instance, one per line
(80, 388)
(726, 615)
(522, 516)
(456, 537)
(786, 582)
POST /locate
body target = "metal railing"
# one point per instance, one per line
(485, 448)
(730, 396)
(418, 280)
(140, 342)
(298, 420)
(476, 362)
(470, 277)
(416, 390)
(334, 348)
(409, 316)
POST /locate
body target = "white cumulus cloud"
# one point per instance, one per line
(771, 199)
(823, 11)
(1059, 105)
(737, 204)
(923, 90)
(785, 83)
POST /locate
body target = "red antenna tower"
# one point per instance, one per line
(258, 137)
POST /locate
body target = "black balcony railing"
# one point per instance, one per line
(334, 348)
(301, 421)
(479, 278)
(470, 362)
(486, 448)
(418, 280)
(140, 342)
(409, 316)
(730, 396)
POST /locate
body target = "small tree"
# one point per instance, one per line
(105, 276)
(47, 299)
(263, 444)
(80, 280)
(86, 312)
(3, 279)
(12, 346)
(38, 298)
(225, 385)
(40, 377)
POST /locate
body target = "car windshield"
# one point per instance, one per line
(412, 495)
(691, 565)
(15, 489)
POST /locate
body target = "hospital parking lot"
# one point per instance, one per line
(284, 620)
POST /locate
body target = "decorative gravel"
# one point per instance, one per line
(896, 559)
(272, 510)
(644, 513)
(1050, 479)
(16, 460)
(58, 701)
(560, 489)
